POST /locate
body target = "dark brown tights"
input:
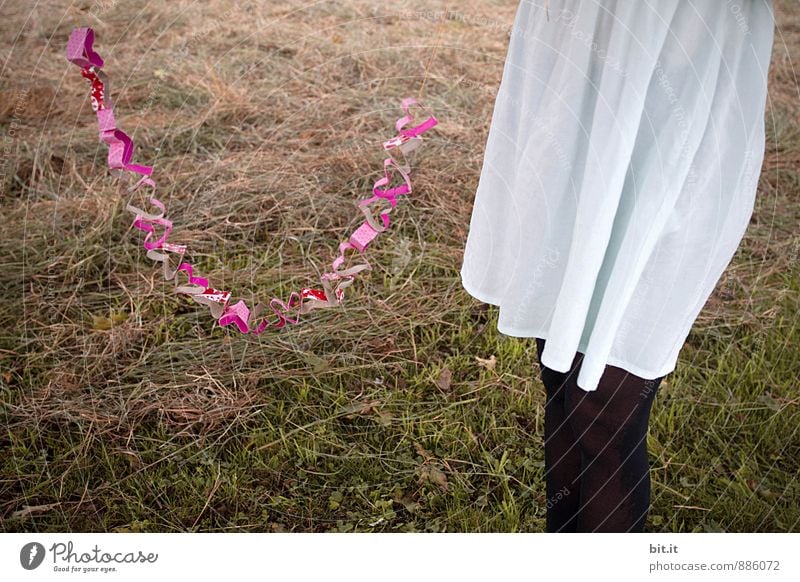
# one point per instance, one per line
(597, 474)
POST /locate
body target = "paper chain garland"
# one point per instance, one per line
(120, 153)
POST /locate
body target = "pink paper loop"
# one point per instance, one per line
(282, 309)
(408, 139)
(416, 130)
(79, 48)
(164, 255)
(362, 236)
(390, 166)
(147, 216)
(120, 152)
(340, 259)
(196, 284)
(214, 299)
(99, 88)
(364, 205)
(146, 225)
(237, 314)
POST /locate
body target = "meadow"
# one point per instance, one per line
(126, 408)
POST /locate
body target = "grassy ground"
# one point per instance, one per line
(126, 409)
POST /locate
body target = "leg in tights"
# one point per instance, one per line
(609, 427)
(562, 456)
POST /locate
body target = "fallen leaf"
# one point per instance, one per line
(444, 379)
(438, 477)
(405, 500)
(434, 475)
(488, 364)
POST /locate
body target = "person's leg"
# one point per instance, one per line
(562, 456)
(610, 425)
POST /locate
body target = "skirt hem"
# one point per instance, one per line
(511, 331)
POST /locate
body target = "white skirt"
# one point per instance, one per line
(619, 175)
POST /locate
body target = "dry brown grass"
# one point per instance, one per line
(127, 409)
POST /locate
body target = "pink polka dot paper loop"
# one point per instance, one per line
(120, 145)
(80, 51)
(408, 139)
(165, 255)
(157, 227)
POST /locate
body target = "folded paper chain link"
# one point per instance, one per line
(80, 52)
